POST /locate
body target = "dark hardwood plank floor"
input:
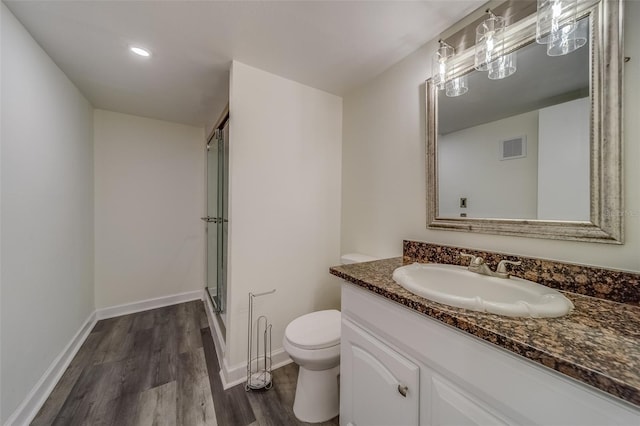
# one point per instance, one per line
(146, 368)
(232, 405)
(159, 367)
(273, 407)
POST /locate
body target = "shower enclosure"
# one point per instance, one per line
(217, 217)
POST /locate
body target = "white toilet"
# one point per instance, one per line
(313, 342)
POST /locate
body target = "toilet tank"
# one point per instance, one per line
(348, 258)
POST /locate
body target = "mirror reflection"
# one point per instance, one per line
(519, 147)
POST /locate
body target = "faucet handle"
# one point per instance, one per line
(502, 266)
(474, 259)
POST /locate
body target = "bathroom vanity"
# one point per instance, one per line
(406, 360)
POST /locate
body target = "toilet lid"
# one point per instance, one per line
(316, 330)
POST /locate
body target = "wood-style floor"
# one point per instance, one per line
(159, 367)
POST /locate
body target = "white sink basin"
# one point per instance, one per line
(456, 286)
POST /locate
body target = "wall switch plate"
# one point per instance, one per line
(463, 203)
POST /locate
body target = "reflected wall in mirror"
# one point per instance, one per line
(518, 156)
(537, 153)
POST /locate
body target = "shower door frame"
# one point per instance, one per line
(220, 220)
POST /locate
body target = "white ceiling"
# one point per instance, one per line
(330, 45)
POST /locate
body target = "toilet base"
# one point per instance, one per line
(317, 395)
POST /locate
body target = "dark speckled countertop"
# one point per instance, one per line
(598, 343)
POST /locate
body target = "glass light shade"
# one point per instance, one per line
(503, 67)
(456, 86)
(440, 64)
(555, 17)
(543, 21)
(489, 41)
(566, 41)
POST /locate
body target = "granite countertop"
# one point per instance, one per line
(598, 343)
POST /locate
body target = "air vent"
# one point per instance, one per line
(513, 148)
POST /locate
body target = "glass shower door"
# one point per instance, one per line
(217, 220)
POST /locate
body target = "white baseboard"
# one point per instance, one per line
(232, 376)
(30, 406)
(145, 305)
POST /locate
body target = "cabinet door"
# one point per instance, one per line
(450, 406)
(378, 385)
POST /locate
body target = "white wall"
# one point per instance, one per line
(384, 169)
(563, 160)
(149, 198)
(284, 207)
(470, 166)
(47, 213)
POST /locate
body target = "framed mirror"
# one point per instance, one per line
(538, 153)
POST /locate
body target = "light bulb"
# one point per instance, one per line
(140, 51)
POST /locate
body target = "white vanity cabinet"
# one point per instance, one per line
(450, 377)
(382, 385)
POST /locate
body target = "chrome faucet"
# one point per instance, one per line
(479, 266)
(501, 270)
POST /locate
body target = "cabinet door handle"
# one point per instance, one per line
(402, 390)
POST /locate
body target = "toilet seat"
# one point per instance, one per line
(317, 330)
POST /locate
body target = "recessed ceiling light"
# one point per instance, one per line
(140, 51)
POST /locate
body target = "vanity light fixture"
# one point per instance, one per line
(489, 49)
(489, 56)
(489, 41)
(440, 64)
(556, 26)
(140, 51)
(442, 72)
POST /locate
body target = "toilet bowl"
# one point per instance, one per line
(313, 342)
